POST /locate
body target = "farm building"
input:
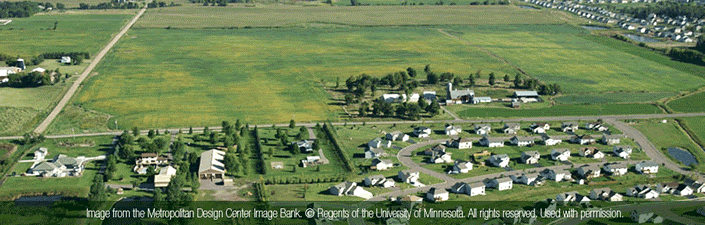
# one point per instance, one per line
(525, 94)
(164, 176)
(458, 96)
(211, 165)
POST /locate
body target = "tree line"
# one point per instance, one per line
(26, 80)
(668, 8)
(114, 4)
(440, 2)
(18, 9)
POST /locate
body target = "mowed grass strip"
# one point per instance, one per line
(197, 16)
(197, 77)
(560, 54)
(692, 103)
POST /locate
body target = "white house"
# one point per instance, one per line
(475, 188)
(528, 179)
(482, 129)
(349, 189)
(461, 167)
(605, 194)
(442, 157)
(530, 157)
(413, 98)
(569, 126)
(561, 154)
(666, 188)
(478, 100)
(437, 149)
(521, 141)
(460, 143)
(378, 180)
(572, 196)
(611, 139)
(642, 191)
(511, 128)
(556, 175)
(396, 136)
(41, 152)
(622, 151)
(491, 142)
(582, 139)
(646, 167)
(379, 143)
(65, 60)
(589, 171)
(381, 164)
(595, 126)
(393, 98)
(408, 176)
(683, 190)
(459, 187)
(547, 140)
(422, 132)
(375, 153)
(591, 152)
(452, 130)
(60, 166)
(501, 184)
(615, 168)
(539, 128)
(437, 195)
(501, 160)
(164, 176)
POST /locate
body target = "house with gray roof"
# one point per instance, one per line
(60, 166)
(458, 96)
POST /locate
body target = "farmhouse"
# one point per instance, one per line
(393, 98)
(491, 142)
(647, 167)
(511, 128)
(569, 126)
(374, 153)
(460, 143)
(458, 96)
(500, 183)
(461, 167)
(501, 160)
(408, 176)
(482, 129)
(561, 154)
(521, 141)
(582, 139)
(547, 140)
(60, 166)
(615, 168)
(379, 143)
(422, 132)
(164, 176)
(611, 139)
(381, 164)
(452, 130)
(589, 171)
(437, 195)
(540, 128)
(397, 136)
(5, 73)
(305, 146)
(530, 157)
(622, 151)
(413, 98)
(211, 165)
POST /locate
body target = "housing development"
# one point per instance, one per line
(352, 112)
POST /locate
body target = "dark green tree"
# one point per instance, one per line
(432, 78)
(427, 68)
(411, 72)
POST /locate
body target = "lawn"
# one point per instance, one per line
(570, 57)
(197, 16)
(66, 186)
(74, 147)
(665, 135)
(471, 111)
(607, 98)
(692, 103)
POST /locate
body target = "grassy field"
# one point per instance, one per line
(665, 135)
(469, 111)
(548, 52)
(196, 16)
(74, 119)
(692, 103)
(697, 127)
(607, 98)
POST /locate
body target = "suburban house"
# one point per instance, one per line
(501, 160)
(60, 166)
(458, 96)
(374, 153)
(429, 95)
(381, 164)
(349, 189)
(478, 100)
(623, 151)
(452, 130)
(460, 143)
(605, 194)
(611, 139)
(528, 179)
(643, 216)
(569, 126)
(422, 132)
(615, 168)
(397, 136)
(378, 180)
(475, 188)
(642, 191)
(501, 184)
(525, 94)
(556, 175)
(211, 165)
(511, 128)
(41, 153)
(437, 195)
(697, 186)
(591, 152)
(408, 176)
(482, 129)
(572, 196)
(521, 141)
(149, 159)
(530, 157)
(459, 187)
(582, 139)
(561, 154)
(547, 140)
(540, 128)
(164, 176)
(491, 142)
(589, 171)
(435, 150)
(683, 190)
(666, 188)
(305, 146)
(441, 157)
(595, 126)
(379, 143)
(461, 167)
(646, 167)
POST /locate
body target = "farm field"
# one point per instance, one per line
(665, 135)
(560, 54)
(606, 98)
(185, 77)
(468, 111)
(696, 126)
(197, 16)
(692, 103)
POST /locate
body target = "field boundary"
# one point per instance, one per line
(694, 138)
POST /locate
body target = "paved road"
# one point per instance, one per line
(60, 106)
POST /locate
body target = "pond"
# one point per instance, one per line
(44, 200)
(682, 155)
(589, 27)
(527, 7)
(640, 38)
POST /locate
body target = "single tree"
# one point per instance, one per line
(506, 77)
(432, 78)
(411, 72)
(427, 69)
(492, 79)
(292, 124)
(135, 131)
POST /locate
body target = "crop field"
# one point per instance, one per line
(196, 16)
(195, 77)
(697, 127)
(692, 103)
(665, 135)
(557, 110)
(560, 54)
(611, 98)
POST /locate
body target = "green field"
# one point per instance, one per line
(417, 2)
(557, 110)
(196, 16)
(692, 103)
(606, 98)
(697, 127)
(561, 54)
(665, 135)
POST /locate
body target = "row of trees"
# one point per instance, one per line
(18, 9)
(412, 111)
(110, 5)
(23, 80)
(155, 4)
(669, 8)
